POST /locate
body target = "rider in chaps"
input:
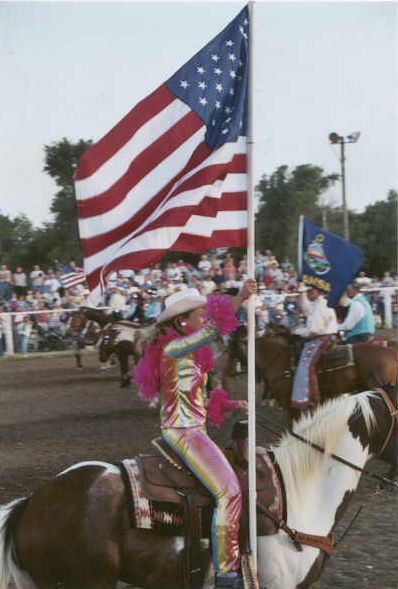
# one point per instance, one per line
(319, 330)
(175, 366)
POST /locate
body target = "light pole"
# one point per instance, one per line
(336, 138)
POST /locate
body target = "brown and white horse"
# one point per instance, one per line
(75, 531)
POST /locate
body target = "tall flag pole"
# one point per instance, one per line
(251, 377)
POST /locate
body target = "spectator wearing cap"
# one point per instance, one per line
(359, 322)
(319, 331)
(154, 305)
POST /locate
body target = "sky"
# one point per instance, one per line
(74, 69)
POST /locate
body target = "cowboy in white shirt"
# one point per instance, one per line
(320, 327)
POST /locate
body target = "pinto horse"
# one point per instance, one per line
(124, 339)
(75, 532)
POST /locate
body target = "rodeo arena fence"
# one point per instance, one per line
(383, 300)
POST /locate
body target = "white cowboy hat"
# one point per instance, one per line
(181, 302)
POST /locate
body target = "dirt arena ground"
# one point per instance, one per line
(53, 415)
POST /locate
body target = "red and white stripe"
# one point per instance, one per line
(73, 279)
(152, 185)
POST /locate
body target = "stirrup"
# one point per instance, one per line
(228, 581)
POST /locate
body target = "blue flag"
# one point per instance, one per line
(327, 261)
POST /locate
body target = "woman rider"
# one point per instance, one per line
(176, 367)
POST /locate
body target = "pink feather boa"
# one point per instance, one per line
(220, 312)
(219, 403)
(146, 372)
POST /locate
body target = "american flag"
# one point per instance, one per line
(71, 275)
(172, 174)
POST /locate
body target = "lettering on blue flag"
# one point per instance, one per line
(327, 261)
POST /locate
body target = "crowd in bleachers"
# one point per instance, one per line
(38, 298)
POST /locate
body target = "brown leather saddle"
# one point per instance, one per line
(165, 477)
(165, 482)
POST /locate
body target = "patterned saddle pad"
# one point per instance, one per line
(159, 486)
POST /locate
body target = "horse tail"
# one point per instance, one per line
(9, 517)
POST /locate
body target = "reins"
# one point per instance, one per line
(394, 416)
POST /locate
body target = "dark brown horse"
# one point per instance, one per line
(85, 332)
(369, 365)
(75, 531)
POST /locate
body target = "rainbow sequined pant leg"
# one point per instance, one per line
(212, 468)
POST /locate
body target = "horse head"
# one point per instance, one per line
(320, 461)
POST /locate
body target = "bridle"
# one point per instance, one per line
(394, 417)
(393, 414)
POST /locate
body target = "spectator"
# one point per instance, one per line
(275, 305)
(13, 302)
(117, 302)
(3, 339)
(219, 278)
(51, 282)
(287, 265)
(23, 324)
(20, 281)
(154, 306)
(290, 307)
(388, 280)
(204, 266)
(229, 268)
(363, 280)
(208, 285)
(5, 283)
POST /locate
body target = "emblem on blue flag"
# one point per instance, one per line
(315, 256)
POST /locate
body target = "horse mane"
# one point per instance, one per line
(324, 427)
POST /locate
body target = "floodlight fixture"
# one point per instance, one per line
(351, 138)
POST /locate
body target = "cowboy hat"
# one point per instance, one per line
(182, 302)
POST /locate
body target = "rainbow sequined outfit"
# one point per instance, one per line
(181, 384)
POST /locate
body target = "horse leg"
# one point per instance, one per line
(78, 355)
(124, 369)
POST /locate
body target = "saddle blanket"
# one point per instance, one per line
(147, 513)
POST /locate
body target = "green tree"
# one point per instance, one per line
(375, 231)
(16, 239)
(61, 161)
(283, 197)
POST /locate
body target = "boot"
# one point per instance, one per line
(228, 581)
